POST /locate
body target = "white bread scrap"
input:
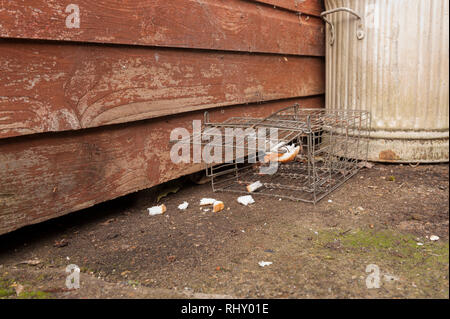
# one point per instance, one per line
(207, 201)
(183, 206)
(157, 210)
(254, 186)
(245, 200)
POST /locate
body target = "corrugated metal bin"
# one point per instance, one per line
(391, 58)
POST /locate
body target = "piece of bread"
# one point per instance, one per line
(271, 157)
(207, 201)
(291, 152)
(245, 200)
(157, 210)
(254, 186)
(290, 155)
(218, 206)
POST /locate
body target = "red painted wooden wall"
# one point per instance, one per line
(89, 94)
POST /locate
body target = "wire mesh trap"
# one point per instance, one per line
(295, 153)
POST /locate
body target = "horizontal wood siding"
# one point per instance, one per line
(48, 87)
(86, 113)
(49, 175)
(306, 7)
(234, 25)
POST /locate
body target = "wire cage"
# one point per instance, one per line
(295, 153)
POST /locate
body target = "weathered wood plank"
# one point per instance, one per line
(47, 175)
(310, 7)
(207, 24)
(55, 87)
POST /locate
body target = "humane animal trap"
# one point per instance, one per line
(296, 153)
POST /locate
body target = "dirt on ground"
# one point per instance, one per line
(377, 225)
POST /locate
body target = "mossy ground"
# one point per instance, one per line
(394, 252)
(7, 289)
(35, 295)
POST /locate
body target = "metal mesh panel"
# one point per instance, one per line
(332, 145)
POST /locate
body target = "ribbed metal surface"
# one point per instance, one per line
(398, 72)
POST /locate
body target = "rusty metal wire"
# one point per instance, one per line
(332, 143)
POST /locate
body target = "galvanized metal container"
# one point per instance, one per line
(391, 57)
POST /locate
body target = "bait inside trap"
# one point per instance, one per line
(295, 153)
